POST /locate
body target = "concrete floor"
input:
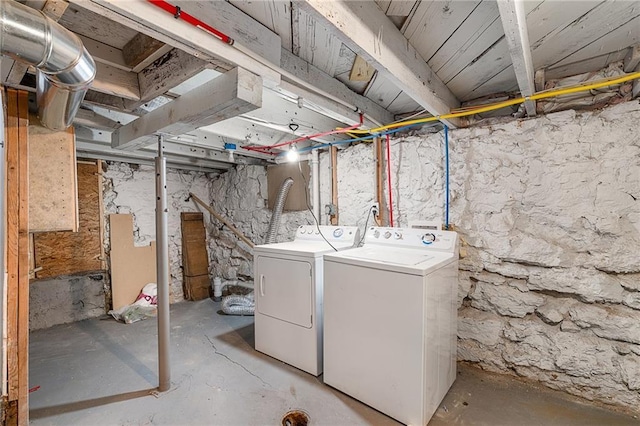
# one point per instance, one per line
(100, 372)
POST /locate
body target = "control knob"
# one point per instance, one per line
(337, 233)
(387, 235)
(397, 235)
(428, 238)
(376, 234)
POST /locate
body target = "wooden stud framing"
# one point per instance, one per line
(334, 183)
(380, 218)
(17, 257)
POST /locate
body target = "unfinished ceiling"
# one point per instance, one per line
(301, 68)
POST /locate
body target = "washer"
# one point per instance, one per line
(390, 321)
(289, 277)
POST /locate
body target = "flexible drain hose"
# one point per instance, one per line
(274, 225)
(239, 305)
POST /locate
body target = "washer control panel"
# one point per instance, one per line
(412, 237)
(345, 234)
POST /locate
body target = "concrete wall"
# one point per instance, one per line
(66, 299)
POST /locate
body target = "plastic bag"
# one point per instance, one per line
(144, 307)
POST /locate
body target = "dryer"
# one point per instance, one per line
(288, 294)
(390, 312)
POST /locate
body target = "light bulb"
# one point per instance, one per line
(292, 155)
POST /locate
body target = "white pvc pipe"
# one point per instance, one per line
(315, 183)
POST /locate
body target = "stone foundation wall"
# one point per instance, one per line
(548, 210)
(130, 189)
(240, 195)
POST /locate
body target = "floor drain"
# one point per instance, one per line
(295, 418)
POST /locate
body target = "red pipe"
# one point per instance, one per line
(178, 13)
(261, 148)
(389, 177)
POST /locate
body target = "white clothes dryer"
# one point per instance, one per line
(288, 293)
(390, 315)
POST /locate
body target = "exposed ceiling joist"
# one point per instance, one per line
(233, 93)
(314, 76)
(374, 37)
(141, 50)
(88, 118)
(514, 23)
(114, 81)
(104, 53)
(175, 67)
(144, 17)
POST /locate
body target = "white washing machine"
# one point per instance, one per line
(390, 315)
(288, 293)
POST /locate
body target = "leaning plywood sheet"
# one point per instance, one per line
(53, 199)
(131, 267)
(64, 252)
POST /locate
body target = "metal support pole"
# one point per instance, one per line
(162, 270)
(315, 184)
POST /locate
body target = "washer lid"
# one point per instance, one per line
(408, 261)
(301, 248)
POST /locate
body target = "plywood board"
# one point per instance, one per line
(131, 267)
(298, 193)
(64, 253)
(53, 202)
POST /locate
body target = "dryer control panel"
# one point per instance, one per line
(343, 234)
(445, 241)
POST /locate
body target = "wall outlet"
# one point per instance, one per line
(375, 209)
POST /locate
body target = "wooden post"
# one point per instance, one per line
(334, 183)
(18, 257)
(380, 218)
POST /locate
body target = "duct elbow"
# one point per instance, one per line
(60, 94)
(64, 67)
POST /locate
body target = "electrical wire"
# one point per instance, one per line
(306, 197)
(366, 224)
(541, 95)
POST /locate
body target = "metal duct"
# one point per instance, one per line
(274, 225)
(65, 68)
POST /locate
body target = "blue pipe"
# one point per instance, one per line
(446, 161)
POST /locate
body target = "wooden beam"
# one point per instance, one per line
(374, 37)
(632, 60)
(18, 264)
(142, 50)
(88, 118)
(23, 259)
(114, 81)
(334, 183)
(236, 92)
(379, 218)
(104, 53)
(311, 75)
(154, 22)
(172, 69)
(514, 23)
